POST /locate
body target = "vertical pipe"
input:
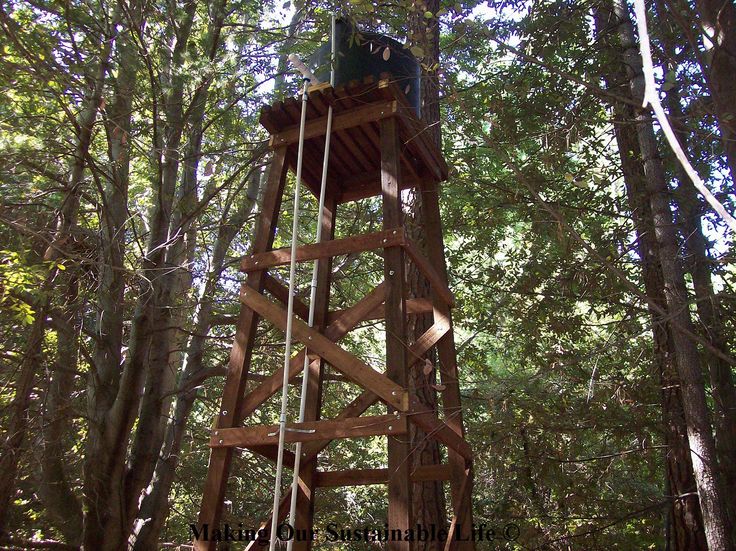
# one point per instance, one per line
(313, 291)
(289, 318)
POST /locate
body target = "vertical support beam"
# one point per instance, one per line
(461, 476)
(399, 466)
(307, 477)
(240, 355)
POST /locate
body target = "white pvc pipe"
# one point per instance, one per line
(312, 295)
(289, 318)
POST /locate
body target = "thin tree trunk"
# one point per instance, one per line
(684, 520)
(61, 503)
(15, 434)
(700, 437)
(67, 221)
(107, 438)
(698, 264)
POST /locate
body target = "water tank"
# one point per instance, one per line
(363, 53)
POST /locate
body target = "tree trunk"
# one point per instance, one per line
(684, 520)
(107, 442)
(63, 235)
(18, 424)
(698, 264)
(700, 437)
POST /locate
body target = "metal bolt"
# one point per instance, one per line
(217, 432)
(224, 412)
(390, 272)
(310, 337)
(385, 240)
(221, 440)
(393, 393)
(390, 427)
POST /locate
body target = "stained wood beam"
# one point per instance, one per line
(413, 306)
(340, 121)
(310, 431)
(363, 477)
(459, 511)
(351, 366)
(353, 244)
(281, 292)
(271, 452)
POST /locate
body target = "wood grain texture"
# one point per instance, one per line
(354, 244)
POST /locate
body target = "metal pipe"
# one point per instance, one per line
(289, 318)
(313, 293)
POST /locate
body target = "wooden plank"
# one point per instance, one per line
(459, 512)
(438, 283)
(351, 366)
(241, 353)
(335, 331)
(271, 452)
(354, 244)
(428, 339)
(340, 121)
(280, 292)
(399, 461)
(363, 477)
(394, 424)
(413, 306)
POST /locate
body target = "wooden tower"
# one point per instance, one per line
(378, 148)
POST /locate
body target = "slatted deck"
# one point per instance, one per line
(358, 108)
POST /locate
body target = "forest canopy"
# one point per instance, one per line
(594, 284)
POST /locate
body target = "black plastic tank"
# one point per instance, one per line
(363, 53)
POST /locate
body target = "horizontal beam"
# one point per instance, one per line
(326, 249)
(340, 121)
(356, 427)
(363, 477)
(413, 306)
(351, 366)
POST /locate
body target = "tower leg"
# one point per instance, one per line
(461, 474)
(399, 481)
(304, 520)
(240, 355)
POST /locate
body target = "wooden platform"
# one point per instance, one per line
(354, 168)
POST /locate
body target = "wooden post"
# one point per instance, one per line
(461, 477)
(240, 355)
(305, 499)
(399, 466)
